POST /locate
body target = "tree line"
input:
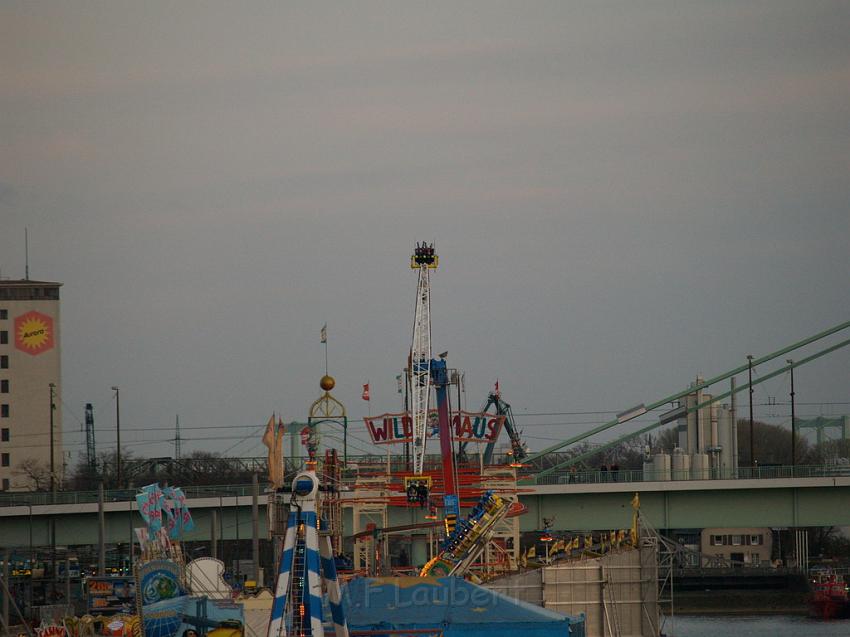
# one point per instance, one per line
(772, 444)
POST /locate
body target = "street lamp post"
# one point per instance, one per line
(52, 387)
(793, 420)
(53, 573)
(750, 370)
(117, 435)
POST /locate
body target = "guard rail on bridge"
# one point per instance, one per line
(747, 473)
(23, 498)
(36, 498)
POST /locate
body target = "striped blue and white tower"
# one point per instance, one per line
(305, 562)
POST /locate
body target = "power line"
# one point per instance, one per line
(516, 415)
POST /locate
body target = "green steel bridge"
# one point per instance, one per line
(801, 496)
(776, 496)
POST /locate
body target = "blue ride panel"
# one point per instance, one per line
(451, 605)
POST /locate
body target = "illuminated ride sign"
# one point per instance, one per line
(466, 426)
(111, 594)
(33, 333)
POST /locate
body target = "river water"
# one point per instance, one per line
(755, 626)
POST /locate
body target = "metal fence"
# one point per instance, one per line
(38, 498)
(597, 476)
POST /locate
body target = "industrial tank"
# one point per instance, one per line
(681, 464)
(700, 466)
(661, 464)
(724, 441)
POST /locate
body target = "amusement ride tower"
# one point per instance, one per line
(423, 259)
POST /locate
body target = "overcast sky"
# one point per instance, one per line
(623, 195)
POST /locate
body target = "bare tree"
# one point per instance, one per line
(35, 474)
(830, 451)
(666, 440)
(771, 445)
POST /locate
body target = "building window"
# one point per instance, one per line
(4, 362)
(755, 559)
(736, 540)
(4, 410)
(756, 540)
(4, 460)
(717, 540)
(4, 337)
(4, 434)
(4, 314)
(5, 484)
(4, 386)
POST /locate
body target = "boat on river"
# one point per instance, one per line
(830, 596)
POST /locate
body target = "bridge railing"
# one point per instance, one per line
(38, 498)
(597, 476)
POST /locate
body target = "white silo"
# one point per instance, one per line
(700, 466)
(724, 441)
(681, 464)
(661, 463)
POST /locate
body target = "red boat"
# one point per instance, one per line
(830, 599)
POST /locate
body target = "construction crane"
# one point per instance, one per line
(91, 454)
(423, 259)
(518, 448)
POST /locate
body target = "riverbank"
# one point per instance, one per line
(712, 625)
(740, 603)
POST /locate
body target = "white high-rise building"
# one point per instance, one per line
(30, 383)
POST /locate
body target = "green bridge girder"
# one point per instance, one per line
(780, 502)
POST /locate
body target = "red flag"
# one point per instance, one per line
(366, 391)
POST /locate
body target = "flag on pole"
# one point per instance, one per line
(324, 333)
(366, 391)
(273, 439)
(150, 503)
(269, 435)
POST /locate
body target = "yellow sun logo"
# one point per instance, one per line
(33, 332)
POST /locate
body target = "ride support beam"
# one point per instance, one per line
(440, 378)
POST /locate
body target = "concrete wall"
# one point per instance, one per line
(526, 586)
(617, 593)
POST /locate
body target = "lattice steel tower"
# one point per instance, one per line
(419, 369)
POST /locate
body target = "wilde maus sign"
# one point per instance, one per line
(466, 426)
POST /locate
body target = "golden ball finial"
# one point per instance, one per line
(327, 383)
